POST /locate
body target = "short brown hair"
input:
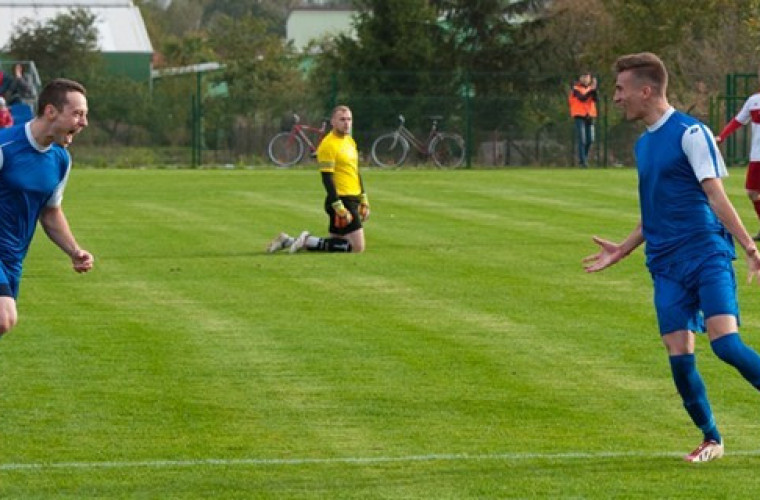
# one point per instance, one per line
(55, 93)
(340, 107)
(645, 66)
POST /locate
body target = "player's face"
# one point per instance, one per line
(341, 121)
(629, 95)
(71, 120)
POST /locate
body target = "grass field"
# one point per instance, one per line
(464, 355)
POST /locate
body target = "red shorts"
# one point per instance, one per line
(752, 182)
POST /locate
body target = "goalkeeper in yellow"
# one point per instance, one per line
(346, 203)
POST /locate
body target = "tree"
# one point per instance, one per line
(66, 45)
(398, 62)
(493, 35)
(261, 70)
(272, 12)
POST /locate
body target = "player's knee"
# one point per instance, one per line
(357, 247)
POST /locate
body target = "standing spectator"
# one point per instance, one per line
(6, 119)
(21, 87)
(689, 226)
(34, 168)
(346, 203)
(750, 112)
(582, 100)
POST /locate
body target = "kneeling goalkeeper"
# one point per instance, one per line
(346, 203)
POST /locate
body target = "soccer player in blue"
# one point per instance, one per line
(34, 167)
(689, 226)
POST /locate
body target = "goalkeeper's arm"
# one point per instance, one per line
(327, 182)
(364, 203)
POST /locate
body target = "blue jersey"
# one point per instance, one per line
(673, 157)
(31, 178)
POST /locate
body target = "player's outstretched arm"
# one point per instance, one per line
(611, 253)
(56, 226)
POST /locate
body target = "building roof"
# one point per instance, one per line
(120, 25)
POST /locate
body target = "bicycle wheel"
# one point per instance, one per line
(447, 150)
(285, 149)
(389, 150)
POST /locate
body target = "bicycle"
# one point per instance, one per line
(445, 148)
(288, 148)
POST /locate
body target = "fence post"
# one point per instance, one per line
(468, 120)
(193, 133)
(606, 131)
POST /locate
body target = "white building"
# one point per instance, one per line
(122, 36)
(313, 22)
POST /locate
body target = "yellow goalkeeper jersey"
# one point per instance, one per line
(339, 156)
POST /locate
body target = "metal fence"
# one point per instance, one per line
(503, 124)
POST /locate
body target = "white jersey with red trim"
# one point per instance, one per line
(750, 112)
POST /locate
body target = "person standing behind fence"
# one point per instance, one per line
(750, 112)
(21, 88)
(582, 100)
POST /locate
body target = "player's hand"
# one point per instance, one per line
(718, 139)
(82, 261)
(609, 254)
(753, 265)
(342, 216)
(364, 207)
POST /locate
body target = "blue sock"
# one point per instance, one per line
(692, 390)
(736, 353)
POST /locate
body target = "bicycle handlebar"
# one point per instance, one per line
(434, 118)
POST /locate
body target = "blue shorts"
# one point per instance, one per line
(9, 281)
(687, 293)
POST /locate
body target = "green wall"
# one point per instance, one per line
(135, 65)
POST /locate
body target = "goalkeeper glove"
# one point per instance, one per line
(364, 207)
(342, 216)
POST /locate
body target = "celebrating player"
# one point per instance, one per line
(687, 222)
(34, 168)
(346, 203)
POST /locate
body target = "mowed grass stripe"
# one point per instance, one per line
(467, 329)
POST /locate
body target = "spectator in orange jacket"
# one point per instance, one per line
(582, 100)
(6, 119)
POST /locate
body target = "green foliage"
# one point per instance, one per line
(191, 48)
(261, 72)
(492, 35)
(122, 106)
(271, 12)
(65, 45)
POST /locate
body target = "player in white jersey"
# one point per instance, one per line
(750, 113)
(34, 167)
(688, 224)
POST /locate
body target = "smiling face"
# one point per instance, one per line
(68, 121)
(630, 95)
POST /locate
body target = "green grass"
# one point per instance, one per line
(464, 355)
